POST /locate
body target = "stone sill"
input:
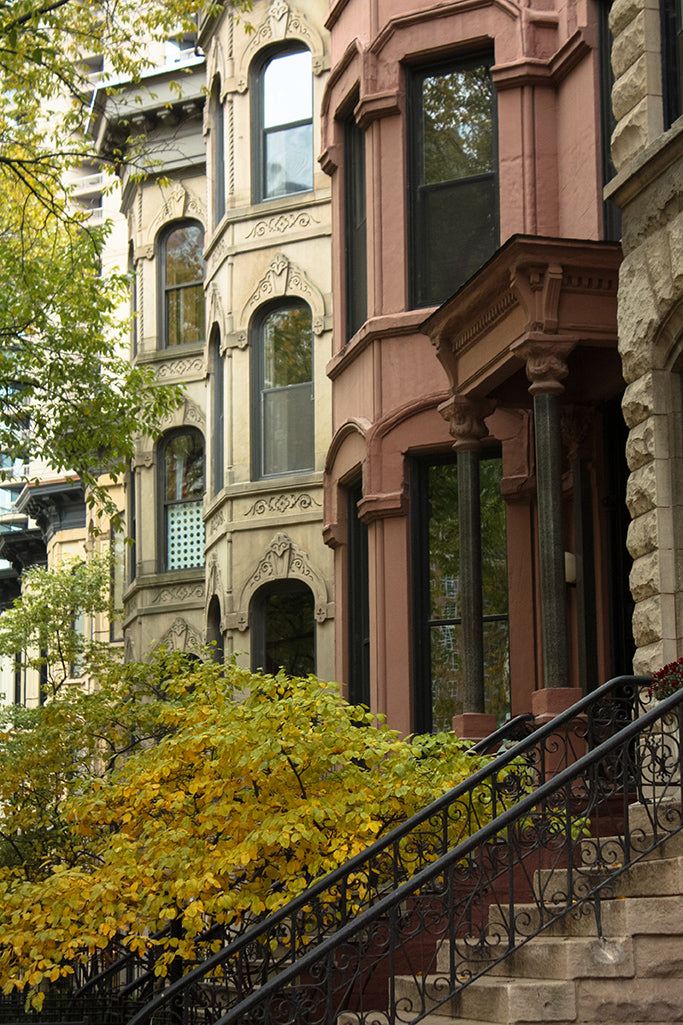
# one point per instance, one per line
(649, 165)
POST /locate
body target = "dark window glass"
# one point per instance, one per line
(183, 492)
(132, 519)
(217, 443)
(284, 420)
(672, 59)
(283, 626)
(454, 175)
(214, 634)
(611, 214)
(438, 611)
(218, 159)
(358, 602)
(356, 227)
(285, 98)
(183, 274)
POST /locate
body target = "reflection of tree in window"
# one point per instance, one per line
(288, 626)
(455, 198)
(184, 268)
(286, 391)
(183, 494)
(445, 623)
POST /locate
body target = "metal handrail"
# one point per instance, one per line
(254, 937)
(516, 729)
(524, 809)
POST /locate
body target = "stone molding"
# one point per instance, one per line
(178, 204)
(283, 279)
(180, 636)
(280, 23)
(282, 560)
(187, 415)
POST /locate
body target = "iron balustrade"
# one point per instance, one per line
(341, 936)
(541, 831)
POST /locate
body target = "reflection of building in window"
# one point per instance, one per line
(284, 97)
(183, 493)
(454, 201)
(182, 274)
(438, 623)
(283, 628)
(283, 393)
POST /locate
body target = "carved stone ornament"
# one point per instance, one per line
(283, 560)
(284, 278)
(214, 584)
(465, 418)
(189, 414)
(280, 224)
(143, 460)
(546, 365)
(280, 503)
(181, 369)
(280, 22)
(178, 203)
(177, 593)
(216, 310)
(181, 637)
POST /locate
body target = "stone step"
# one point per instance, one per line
(656, 878)
(491, 999)
(610, 849)
(624, 916)
(556, 957)
(640, 1000)
(667, 815)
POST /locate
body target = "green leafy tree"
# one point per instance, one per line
(236, 791)
(67, 394)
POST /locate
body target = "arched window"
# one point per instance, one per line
(218, 154)
(182, 270)
(214, 635)
(218, 401)
(283, 419)
(283, 129)
(182, 470)
(283, 628)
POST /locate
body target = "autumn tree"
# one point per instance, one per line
(67, 394)
(237, 790)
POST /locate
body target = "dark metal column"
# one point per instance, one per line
(551, 547)
(466, 423)
(471, 601)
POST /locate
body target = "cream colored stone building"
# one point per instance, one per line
(647, 150)
(230, 254)
(268, 316)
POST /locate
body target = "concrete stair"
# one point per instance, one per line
(568, 975)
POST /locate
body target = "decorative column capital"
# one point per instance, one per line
(465, 418)
(546, 364)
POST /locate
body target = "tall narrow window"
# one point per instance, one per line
(283, 629)
(438, 614)
(283, 163)
(358, 604)
(183, 491)
(454, 202)
(356, 228)
(217, 442)
(218, 156)
(132, 520)
(283, 394)
(671, 12)
(182, 272)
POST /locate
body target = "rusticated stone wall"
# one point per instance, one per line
(649, 189)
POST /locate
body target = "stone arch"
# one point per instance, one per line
(282, 279)
(215, 312)
(280, 24)
(178, 204)
(180, 636)
(189, 414)
(283, 560)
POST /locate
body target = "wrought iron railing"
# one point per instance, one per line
(428, 886)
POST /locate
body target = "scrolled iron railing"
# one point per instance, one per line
(428, 883)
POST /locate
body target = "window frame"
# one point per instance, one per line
(420, 293)
(258, 620)
(259, 132)
(423, 622)
(671, 25)
(164, 289)
(258, 434)
(164, 504)
(355, 228)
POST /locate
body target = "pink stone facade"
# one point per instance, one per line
(392, 375)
